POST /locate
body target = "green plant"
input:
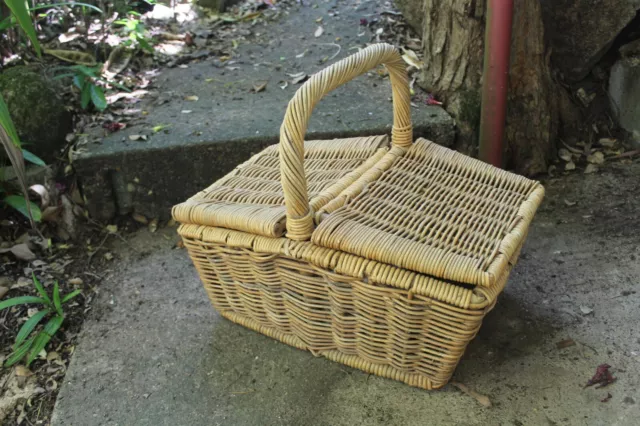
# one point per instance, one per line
(29, 342)
(11, 143)
(136, 32)
(86, 80)
(20, 12)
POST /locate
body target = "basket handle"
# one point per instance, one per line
(294, 126)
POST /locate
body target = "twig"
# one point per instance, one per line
(482, 399)
(626, 154)
(98, 249)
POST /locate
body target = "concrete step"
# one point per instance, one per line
(229, 122)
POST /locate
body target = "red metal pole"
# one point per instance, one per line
(497, 47)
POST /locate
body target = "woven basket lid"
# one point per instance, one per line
(437, 212)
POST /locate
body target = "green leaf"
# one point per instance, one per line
(32, 158)
(97, 97)
(28, 327)
(20, 11)
(79, 81)
(71, 295)
(145, 45)
(56, 298)
(44, 336)
(19, 353)
(7, 123)
(85, 96)
(19, 203)
(40, 289)
(7, 23)
(22, 300)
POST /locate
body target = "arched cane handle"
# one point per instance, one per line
(294, 126)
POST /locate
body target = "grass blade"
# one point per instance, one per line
(22, 300)
(19, 353)
(40, 289)
(71, 3)
(44, 336)
(28, 327)
(71, 295)
(56, 298)
(20, 11)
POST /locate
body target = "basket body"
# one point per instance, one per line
(271, 286)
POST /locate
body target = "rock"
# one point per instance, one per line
(40, 117)
(413, 12)
(624, 93)
(581, 31)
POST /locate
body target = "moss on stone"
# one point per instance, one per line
(40, 117)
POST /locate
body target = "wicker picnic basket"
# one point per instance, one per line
(381, 257)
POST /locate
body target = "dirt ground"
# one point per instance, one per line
(155, 353)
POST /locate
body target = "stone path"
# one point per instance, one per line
(155, 352)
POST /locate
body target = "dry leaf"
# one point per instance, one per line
(22, 371)
(52, 355)
(153, 225)
(140, 218)
(43, 193)
(112, 229)
(118, 61)
(570, 166)
(20, 251)
(3, 291)
(318, 32)
(596, 158)
(607, 142)
(192, 98)
(591, 168)
(22, 282)
(565, 343)
(412, 59)
(138, 137)
(108, 256)
(76, 281)
(284, 85)
(73, 56)
(259, 86)
(564, 154)
(298, 77)
(569, 203)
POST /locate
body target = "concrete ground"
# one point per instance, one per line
(229, 122)
(155, 352)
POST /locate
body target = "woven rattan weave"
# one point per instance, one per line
(382, 258)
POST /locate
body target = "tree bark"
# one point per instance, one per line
(453, 40)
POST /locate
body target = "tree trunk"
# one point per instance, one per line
(453, 41)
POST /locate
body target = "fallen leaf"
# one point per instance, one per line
(259, 86)
(565, 343)
(160, 127)
(482, 399)
(591, 168)
(606, 398)
(22, 282)
(76, 281)
(318, 32)
(570, 166)
(112, 229)
(596, 158)
(192, 98)
(607, 142)
(43, 193)
(138, 137)
(379, 31)
(412, 59)
(20, 251)
(140, 218)
(284, 85)
(585, 310)
(108, 256)
(73, 56)
(569, 203)
(301, 55)
(564, 154)
(22, 371)
(603, 377)
(153, 225)
(3, 291)
(298, 77)
(118, 61)
(52, 355)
